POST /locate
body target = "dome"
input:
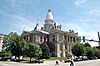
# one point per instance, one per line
(37, 27)
(49, 15)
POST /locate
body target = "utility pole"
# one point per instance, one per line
(92, 39)
(83, 38)
(99, 39)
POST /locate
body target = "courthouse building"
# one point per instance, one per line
(58, 40)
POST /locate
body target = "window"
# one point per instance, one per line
(52, 27)
(68, 38)
(44, 39)
(41, 39)
(45, 27)
(53, 39)
(53, 35)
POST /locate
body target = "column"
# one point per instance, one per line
(58, 50)
(36, 38)
(58, 46)
(63, 50)
(63, 45)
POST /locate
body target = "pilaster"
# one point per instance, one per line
(58, 50)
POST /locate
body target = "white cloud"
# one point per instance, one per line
(80, 2)
(83, 30)
(26, 23)
(93, 35)
(23, 24)
(76, 28)
(94, 12)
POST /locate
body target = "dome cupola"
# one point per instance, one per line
(49, 15)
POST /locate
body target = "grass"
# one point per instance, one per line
(56, 58)
(28, 59)
(51, 58)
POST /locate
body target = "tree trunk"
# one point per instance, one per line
(18, 58)
(30, 59)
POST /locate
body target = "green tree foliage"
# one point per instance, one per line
(78, 49)
(87, 45)
(32, 50)
(45, 51)
(5, 54)
(15, 44)
(90, 52)
(51, 46)
(97, 52)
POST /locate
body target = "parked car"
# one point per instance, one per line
(77, 59)
(95, 58)
(5, 58)
(38, 61)
(67, 60)
(84, 58)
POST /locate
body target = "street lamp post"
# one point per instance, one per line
(99, 39)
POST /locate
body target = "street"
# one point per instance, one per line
(81, 63)
(88, 63)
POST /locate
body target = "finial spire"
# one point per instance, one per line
(37, 20)
(49, 9)
(37, 24)
(23, 28)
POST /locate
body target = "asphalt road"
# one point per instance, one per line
(88, 63)
(82, 63)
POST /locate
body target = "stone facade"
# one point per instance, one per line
(59, 41)
(1, 41)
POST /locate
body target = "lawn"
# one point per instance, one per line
(51, 58)
(56, 58)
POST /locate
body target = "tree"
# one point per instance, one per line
(32, 50)
(87, 45)
(14, 43)
(51, 48)
(45, 51)
(78, 49)
(5, 54)
(90, 53)
(97, 52)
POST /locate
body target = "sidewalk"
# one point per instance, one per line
(49, 62)
(52, 62)
(24, 63)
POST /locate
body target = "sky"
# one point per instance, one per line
(82, 16)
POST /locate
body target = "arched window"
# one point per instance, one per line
(45, 27)
(44, 39)
(53, 35)
(53, 39)
(41, 39)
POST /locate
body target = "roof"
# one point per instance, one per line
(49, 15)
(44, 32)
(41, 31)
(37, 27)
(2, 34)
